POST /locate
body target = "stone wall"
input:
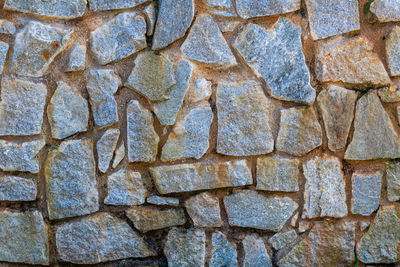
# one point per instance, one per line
(200, 132)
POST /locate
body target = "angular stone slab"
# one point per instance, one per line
(251, 9)
(200, 90)
(255, 253)
(105, 148)
(386, 10)
(150, 14)
(14, 188)
(280, 240)
(204, 210)
(393, 181)
(392, 45)
(366, 190)
(77, 58)
(102, 5)
(224, 8)
(389, 94)
(223, 252)
(163, 201)
(3, 55)
(119, 154)
(7, 27)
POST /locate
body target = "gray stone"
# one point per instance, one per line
(163, 201)
(7, 27)
(389, 94)
(222, 8)
(255, 254)
(122, 36)
(3, 55)
(174, 19)
(374, 136)
(244, 120)
(246, 208)
(386, 10)
(200, 176)
(70, 173)
(206, 45)
(68, 112)
(105, 148)
(21, 107)
(77, 58)
(393, 181)
(392, 48)
(97, 238)
(204, 210)
(150, 14)
(366, 190)
(364, 225)
(200, 90)
(14, 188)
(101, 5)
(280, 240)
(223, 252)
(227, 25)
(24, 237)
(299, 132)
(251, 9)
(142, 138)
(284, 70)
(119, 155)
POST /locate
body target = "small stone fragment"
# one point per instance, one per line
(105, 148)
(392, 45)
(393, 181)
(260, 8)
(14, 188)
(204, 210)
(366, 190)
(7, 27)
(200, 90)
(222, 8)
(163, 201)
(304, 226)
(364, 225)
(223, 253)
(119, 155)
(294, 219)
(150, 14)
(77, 58)
(280, 240)
(386, 10)
(227, 25)
(389, 94)
(102, 5)
(3, 55)
(255, 253)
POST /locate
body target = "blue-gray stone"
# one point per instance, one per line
(105, 148)
(101, 5)
(223, 253)
(366, 190)
(386, 10)
(255, 253)
(222, 8)
(3, 55)
(260, 8)
(7, 27)
(77, 58)
(14, 188)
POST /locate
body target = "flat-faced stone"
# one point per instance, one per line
(223, 252)
(119, 154)
(224, 8)
(7, 27)
(3, 55)
(366, 190)
(204, 210)
(276, 56)
(389, 94)
(150, 14)
(227, 25)
(386, 10)
(255, 253)
(14, 188)
(244, 119)
(163, 201)
(77, 58)
(101, 5)
(206, 45)
(105, 148)
(280, 240)
(393, 181)
(200, 90)
(392, 45)
(252, 9)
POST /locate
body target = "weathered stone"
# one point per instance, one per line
(97, 238)
(68, 112)
(21, 107)
(227, 25)
(386, 10)
(7, 27)
(284, 70)
(119, 155)
(77, 58)
(244, 120)
(324, 193)
(204, 210)
(337, 107)
(105, 148)
(364, 225)
(389, 94)
(222, 8)
(174, 19)
(374, 136)
(349, 60)
(24, 237)
(122, 36)
(70, 173)
(246, 208)
(163, 201)
(251, 9)
(200, 176)
(223, 253)
(304, 226)
(393, 181)
(101, 5)
(299, 132)
(255, 253)
(150, 14)
(277, 174)
(185, 247)
(366, 190)
(280, 240)
(14, 188)
(142, 138)
(205, 44)
(200, 90)
(3, 55)
(392, 45)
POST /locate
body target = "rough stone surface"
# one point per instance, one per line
(14, 188)
(7, 27)
(252, 9)
(386, 10)
(204, 210)
(101, 5)
(119, 155)
(255, 253)
(224, 8)
(393, 181)
(150, 14)
(223, 253)
(200, 90)
(281, 240)
(163, 201)
(105, 148)
(392, 45)
(366, 189)
(77, 58)
(389, 94)
(3, 55)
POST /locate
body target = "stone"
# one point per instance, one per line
(304, 226)
(244, 119)
(7, 27)
(163, 201)
(14, 188)
(125, 187)
(284, 70)
(21, 107)
(349, 60)
(206, 45)
(374, 136)
(386, 10)
(324, 192)
(153, 75)
(223, 252)
(3, 55)
(393, 181)
(70, 173)
(255, 253)
(173, 20)
(77, 58)
(277, 174)
(227, 25)
(251, 9)
(120, 37)
(97, 238)
(24, 237)
(189, 177)
(102, 84)
(222, 8)
(246, 208)
(67, 112)
(364, 225)
(102, 5)
(366, 190)
(149, 218)
(337, 108)
(389, 94)
(142, 138)
(105, 148)
(36, 46)
(150, 14)
(200, 90)
(185, 247)
(392, 48)
(299, 132)
(280, 240)
(204, 210)
(119, 155)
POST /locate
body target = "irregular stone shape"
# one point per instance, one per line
(122, 36)
(105, 148)
(299, 132)
(222, 8)
(77, 58)
(21, 107)
(148, 218)
(204, 210)
(386, 10)
(97, 238)
(150, 14)
(3, 55)
(200, 90)
(167, 110)
(125, 187)
(174, 19)
(381, 242)
(205, 44)
(277, 174)
(223, 253)
(142, 138)
(389, 94)
(70, 173)
(102, 84)
(7, 27)
(193, 177)
(392, 45)
(374, 136)
(16, 156)
(393, 181)
(152, 76)
(119, 155)
(284, 70)
(255, 253)
(189, 137)
(163, 201)
(185, 247)
(101, 5)
(366, 190)
(252, 9)
(246, 208)
(324, 193)
(14, 188)
(24, 237)
(337, 108)
(227, 25)
(68, 112)
(244, 120)
(36, 46)
(281, 240)
(349, 60)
